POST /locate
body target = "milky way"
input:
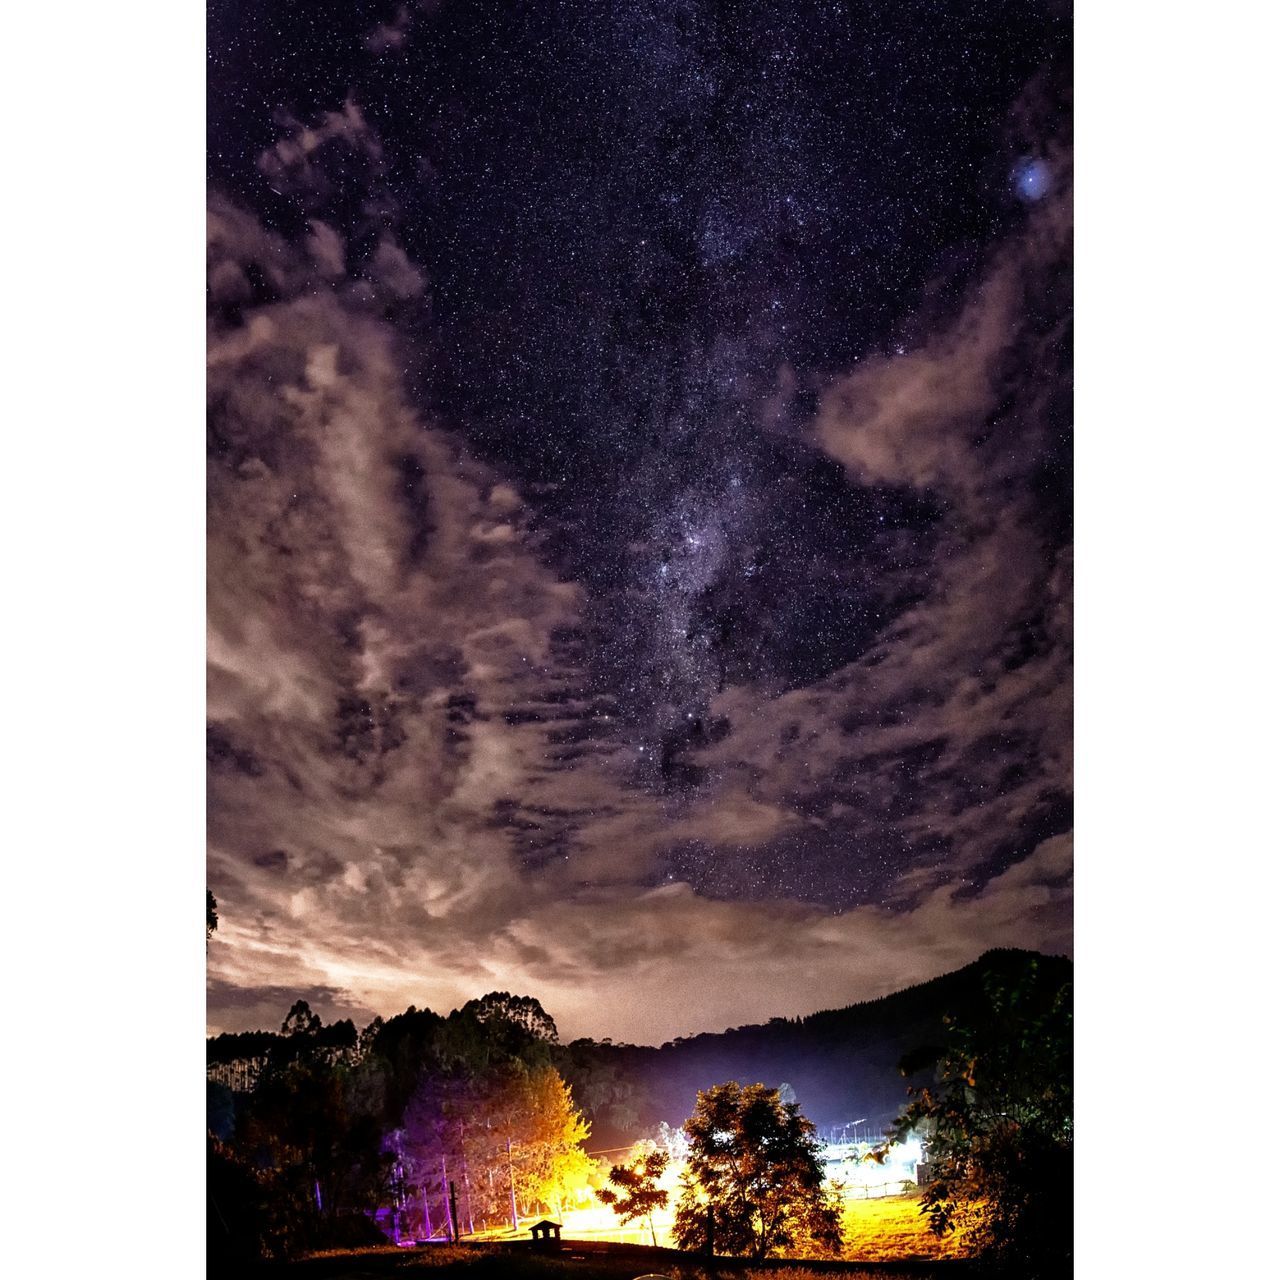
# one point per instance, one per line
(640, 511)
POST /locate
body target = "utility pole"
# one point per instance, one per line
(444, 1191)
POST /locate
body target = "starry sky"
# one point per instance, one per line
(639, 526)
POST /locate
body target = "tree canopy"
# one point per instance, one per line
(753, 1184)
(300, 1021)
(634, 1190)
(338, 1128)
(513, 1137)
(524, 1012)
(997, 1127)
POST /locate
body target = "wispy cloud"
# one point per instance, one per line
(415, 794)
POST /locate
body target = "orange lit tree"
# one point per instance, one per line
(754, 1184)
(635, 1192)
(550, 1162)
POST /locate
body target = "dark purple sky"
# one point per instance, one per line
(639, 504)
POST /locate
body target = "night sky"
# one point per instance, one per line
(639, 503)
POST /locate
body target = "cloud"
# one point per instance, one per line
(918, 418)
(327, 250)
(245, 263)
(946, 743)
(415, 796)
(263, 1008)
(388, 36)
(391, 37)
(391, 267)
(334, 168)
(620, 967)
(618, 964)
(909, 419)
(368, 639)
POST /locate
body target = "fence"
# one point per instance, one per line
(876, 1191)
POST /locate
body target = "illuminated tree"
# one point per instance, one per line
(512, 1139)
(753, 1184)
(998, 1128)
(549, 1132)
(635, 1192)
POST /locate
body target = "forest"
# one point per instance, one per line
(430, 1125)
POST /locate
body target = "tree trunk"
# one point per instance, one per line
(511, 1171)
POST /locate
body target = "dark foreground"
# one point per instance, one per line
(580, 1260)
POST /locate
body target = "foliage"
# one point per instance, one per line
(550, 1132)
(522, 1011)
(634, 1191)
(317, 1147)
(300, 1021)
(210, 914)
(998, 1128)
(606, 1086)
(313, 1120)
(336, 1126)
(753, 1183)
(512, 1132)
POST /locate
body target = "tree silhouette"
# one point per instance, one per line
(635, 1192)
(997, 1127)
(210, 914)
(300, 1021)
(524, 1012)
(754, 1183)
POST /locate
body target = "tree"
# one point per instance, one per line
(513, 1137)
(548, 1134)
(524, 1012)
(306, 1131)
(300, 1021)
(754, 1183)
(998, 1127)
(210, 914)
(635, 1192)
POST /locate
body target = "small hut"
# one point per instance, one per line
(546, 1234)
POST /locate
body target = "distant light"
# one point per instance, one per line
(1032, 179)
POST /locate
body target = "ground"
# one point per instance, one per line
(891, 1229)
(888, 1235)
(594, 1260)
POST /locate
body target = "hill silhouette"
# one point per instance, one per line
(843, 1064)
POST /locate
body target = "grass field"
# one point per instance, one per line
(887, 1229)
(892, 1229)
(595, 1260)
(889, 1235)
